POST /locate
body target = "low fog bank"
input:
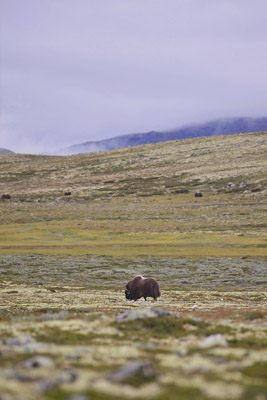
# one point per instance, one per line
(223, 126)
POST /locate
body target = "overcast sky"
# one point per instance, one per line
(78, 70)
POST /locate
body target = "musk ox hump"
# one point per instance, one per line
(134, 288)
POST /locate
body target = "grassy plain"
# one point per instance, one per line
(64, 262)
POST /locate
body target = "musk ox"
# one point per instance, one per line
(139, 287)
(6, 196)
(198, 194)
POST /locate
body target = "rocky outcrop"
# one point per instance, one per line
(140, 313)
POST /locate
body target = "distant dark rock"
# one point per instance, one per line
(198, 194)
(67, 194)
(224, 126)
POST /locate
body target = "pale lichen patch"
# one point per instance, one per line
(149, 390)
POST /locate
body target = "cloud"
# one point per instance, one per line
(74, 71)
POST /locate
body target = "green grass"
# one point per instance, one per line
(249, 342)
(67, 238)
(63, 337)
(170, 393)
(168, 326)
(254, 315)
(257, 370)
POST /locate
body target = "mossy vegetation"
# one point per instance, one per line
(64, 337)
(257, 370)
(160, 327)
(249, 342)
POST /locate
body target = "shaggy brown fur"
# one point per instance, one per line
(142, 287)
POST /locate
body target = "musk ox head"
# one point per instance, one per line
(128, 294)
(139, 287)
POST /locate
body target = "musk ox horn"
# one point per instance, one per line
(139, 287)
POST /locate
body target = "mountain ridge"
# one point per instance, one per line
(5, 151)
(223, 126)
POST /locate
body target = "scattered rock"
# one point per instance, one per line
(182, 352)
(77, 354)
(61, 315)
(194, 307)
(38, 362)
(78, 397)
(104, 317)
(25, 342)
(242, 185)
(219, 360)
(197, 319)
(142, 369)
(140, 313)
(213, 340)
(231, 185)
(202, 369)
(20, 340)
(20, 377)
(68, 376)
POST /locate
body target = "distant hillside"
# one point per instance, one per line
(212, 128)
(5, 151)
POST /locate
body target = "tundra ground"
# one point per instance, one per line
(65, 260)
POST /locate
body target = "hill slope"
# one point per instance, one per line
(65, 261)
(213, 128)
(143, 189)
(6, 151)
